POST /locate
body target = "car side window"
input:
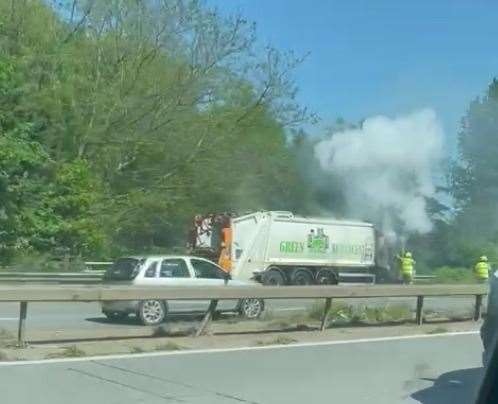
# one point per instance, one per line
(206, 270)
(151, 271)
(174, 268)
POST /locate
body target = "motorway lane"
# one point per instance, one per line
(429, 370)
(81, 316)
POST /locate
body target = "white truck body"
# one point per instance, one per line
(264, 239)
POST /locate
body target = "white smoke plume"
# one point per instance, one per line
(387, 167)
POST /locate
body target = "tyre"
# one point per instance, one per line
(115, 315)
(301, 277)
(326, 277)
(251, 308)
(273, 277)
(151, 312)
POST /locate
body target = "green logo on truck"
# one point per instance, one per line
(318, 241)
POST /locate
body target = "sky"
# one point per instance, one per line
(382, 57)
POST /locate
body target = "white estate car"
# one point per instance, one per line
(169, 270)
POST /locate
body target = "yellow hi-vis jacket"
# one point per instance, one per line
(407, 264)
(481, 270)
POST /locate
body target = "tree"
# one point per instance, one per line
(145, 113)
(474, 177)
(43, 204)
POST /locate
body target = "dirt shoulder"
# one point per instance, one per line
(222, 334)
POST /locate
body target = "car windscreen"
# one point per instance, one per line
(124, 269)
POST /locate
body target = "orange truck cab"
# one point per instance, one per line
(225, 261)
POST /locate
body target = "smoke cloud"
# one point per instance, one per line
(387, 168)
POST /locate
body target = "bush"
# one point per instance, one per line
(343, 313)
(337, 310)
(454, 275)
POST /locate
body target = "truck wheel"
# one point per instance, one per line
(302, 276)
(326, 277)
(273, 277)
(151, 312)
(251, 308)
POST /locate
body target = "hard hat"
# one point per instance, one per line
(408, 254)
(483, 258)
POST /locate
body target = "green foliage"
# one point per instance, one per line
(454, 275)
(473, 179)
(120, 121)
(461, 236)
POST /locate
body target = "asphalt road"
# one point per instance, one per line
(429, 370)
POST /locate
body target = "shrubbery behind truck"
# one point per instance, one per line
(279, 248)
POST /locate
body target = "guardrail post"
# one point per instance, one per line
(22, 324)
(207, 317)
(419, 319)
(326, 311)
(478, 308)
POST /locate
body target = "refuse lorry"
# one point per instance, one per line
(279, 248)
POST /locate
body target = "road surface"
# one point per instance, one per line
(429, 370)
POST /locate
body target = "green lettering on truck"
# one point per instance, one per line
(291, 247)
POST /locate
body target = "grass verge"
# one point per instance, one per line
(3, 356)
(6, 338)
(69, 352)
(280, 340)
(341, 313)
(438, 330)
(169, 346)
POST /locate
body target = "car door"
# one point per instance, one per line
(148, 276)
(209, 274)
(176, 272)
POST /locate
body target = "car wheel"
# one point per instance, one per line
(251, 308)
(151, 312)
(115, 315)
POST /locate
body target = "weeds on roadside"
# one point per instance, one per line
(280, 340)
(343, 313)
(169, 346)
(160, 331)
(437, 330)
(5, 334)
(3, 356)
(69, 352)
(136, 349)
(267, 315)
(6, 338)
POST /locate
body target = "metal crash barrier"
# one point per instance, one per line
(92, 293)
